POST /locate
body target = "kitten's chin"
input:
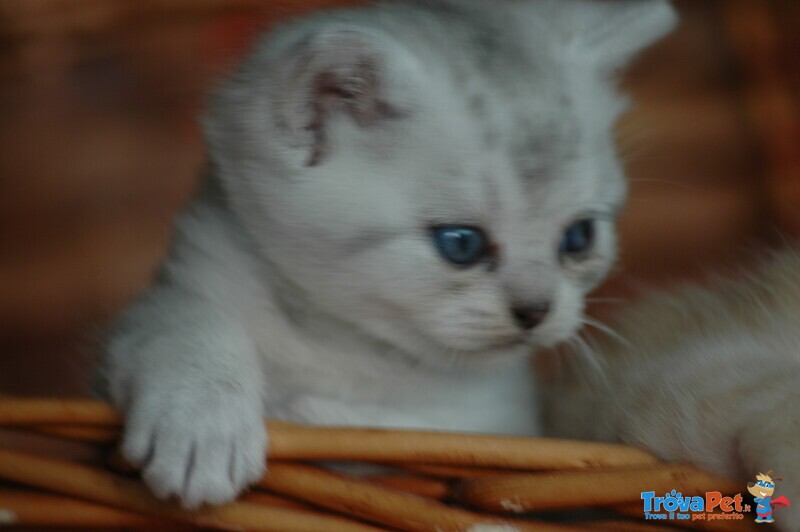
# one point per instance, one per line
(484, 357)
(445, 350)
(488, 354)
(448, 354)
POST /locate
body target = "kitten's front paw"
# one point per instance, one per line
(203, 448)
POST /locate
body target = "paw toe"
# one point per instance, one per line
(167, 470)
(202, 455)
(208, 481)
(247, 461)
(137, 444)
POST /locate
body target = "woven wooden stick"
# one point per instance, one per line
(296, 442)
(31, 441)
(574, 489)
(377, 504)
(420, 486)
(453, 472)
(79, 433)
(270, 499)
(106, 488)
(395, 501)
(27, 412)
(24, 508)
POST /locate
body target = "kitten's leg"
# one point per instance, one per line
(187, 376)
(184, 369)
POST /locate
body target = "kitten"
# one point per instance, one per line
(403, 201)
(706, 375)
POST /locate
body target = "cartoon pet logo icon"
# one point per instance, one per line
(762, 490)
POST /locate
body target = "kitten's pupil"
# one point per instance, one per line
(578, 239)
(460, 245)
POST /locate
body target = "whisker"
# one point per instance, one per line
(593, 361)
(556, 358)
(611, 333)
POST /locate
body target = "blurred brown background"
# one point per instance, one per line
(99, 147)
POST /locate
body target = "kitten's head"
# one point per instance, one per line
(440, 175)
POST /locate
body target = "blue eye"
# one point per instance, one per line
(577, 239)
(460, 245)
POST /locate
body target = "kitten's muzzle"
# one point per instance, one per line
(529, 316)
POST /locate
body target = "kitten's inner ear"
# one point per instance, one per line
(338, 72)
(355, 91)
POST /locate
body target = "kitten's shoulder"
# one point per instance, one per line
(210, 251)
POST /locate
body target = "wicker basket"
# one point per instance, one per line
(438, 481)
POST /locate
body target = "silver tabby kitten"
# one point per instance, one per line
(404, 201)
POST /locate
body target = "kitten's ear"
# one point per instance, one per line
(612, 32)
(340, 72)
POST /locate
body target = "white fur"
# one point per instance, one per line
(708, 376)
(303, 283)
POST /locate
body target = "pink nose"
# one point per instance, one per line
(530, 316)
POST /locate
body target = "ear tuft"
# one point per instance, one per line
(613, 32)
